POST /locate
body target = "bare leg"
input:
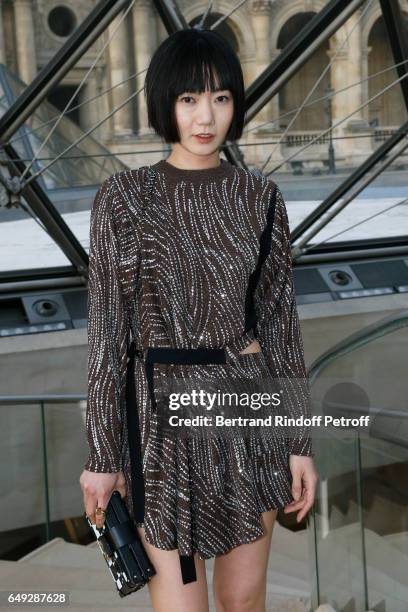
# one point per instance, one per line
(167, 591)
(239, 583)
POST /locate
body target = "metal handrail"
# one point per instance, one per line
(55, 398)
(357, 339)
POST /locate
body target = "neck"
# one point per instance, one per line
(180, 158)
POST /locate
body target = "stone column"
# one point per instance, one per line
(347, 69)
(365, 85)
(355, 65)
(2, 47)
(143, 46)
(274, 110)
(260, 17)
(340, 102)
(100, 107)
(89, 113)
(118, 67)
(25, 40)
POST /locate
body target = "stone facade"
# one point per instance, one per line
(32, 31)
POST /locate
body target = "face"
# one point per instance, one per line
(210, 112)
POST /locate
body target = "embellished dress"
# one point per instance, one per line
(176, 273)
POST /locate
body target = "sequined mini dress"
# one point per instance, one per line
(176, 274)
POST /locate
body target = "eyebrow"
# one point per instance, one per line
(215, 90)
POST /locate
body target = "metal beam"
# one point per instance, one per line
(355, 249)
(303, 244)
(172, 18)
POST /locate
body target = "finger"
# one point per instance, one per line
(309, 499)
(303, 513)
(297, 485)
(100, 517)
(295, 502)
(310, 493)
(90, 506)
(122, 489)
(293, 506)
(103, 501)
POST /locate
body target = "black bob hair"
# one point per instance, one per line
(192, 60)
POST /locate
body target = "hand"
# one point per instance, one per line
(97, 489)
(303, 469)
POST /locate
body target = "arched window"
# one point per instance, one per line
(292, 94)
(387, 109)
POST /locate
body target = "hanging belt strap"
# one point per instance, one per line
(135, 449)
(187, 565)
(265, 244)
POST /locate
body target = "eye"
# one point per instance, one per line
(186, 98)
(226, 97)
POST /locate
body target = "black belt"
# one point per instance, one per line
(150, 356)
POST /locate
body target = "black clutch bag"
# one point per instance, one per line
(122, 548)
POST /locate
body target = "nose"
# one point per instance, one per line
(205, 113)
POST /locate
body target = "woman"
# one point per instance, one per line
(183, 276)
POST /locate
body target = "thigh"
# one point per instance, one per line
(167, 591)
(240, 574)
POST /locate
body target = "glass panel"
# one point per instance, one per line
(362, 507)
(70, 183)
(66, 453)
(23, 508)
(339, 573)
(287, 139)
(88, 163)
(349, 84)
(24, 482)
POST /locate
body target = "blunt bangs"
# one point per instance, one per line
(192, 60)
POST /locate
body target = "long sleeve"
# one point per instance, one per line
(107, 338)
(278, 328)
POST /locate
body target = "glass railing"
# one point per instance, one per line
(42, 452)
(360, 516)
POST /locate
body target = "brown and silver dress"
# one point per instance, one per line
(176, 274)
